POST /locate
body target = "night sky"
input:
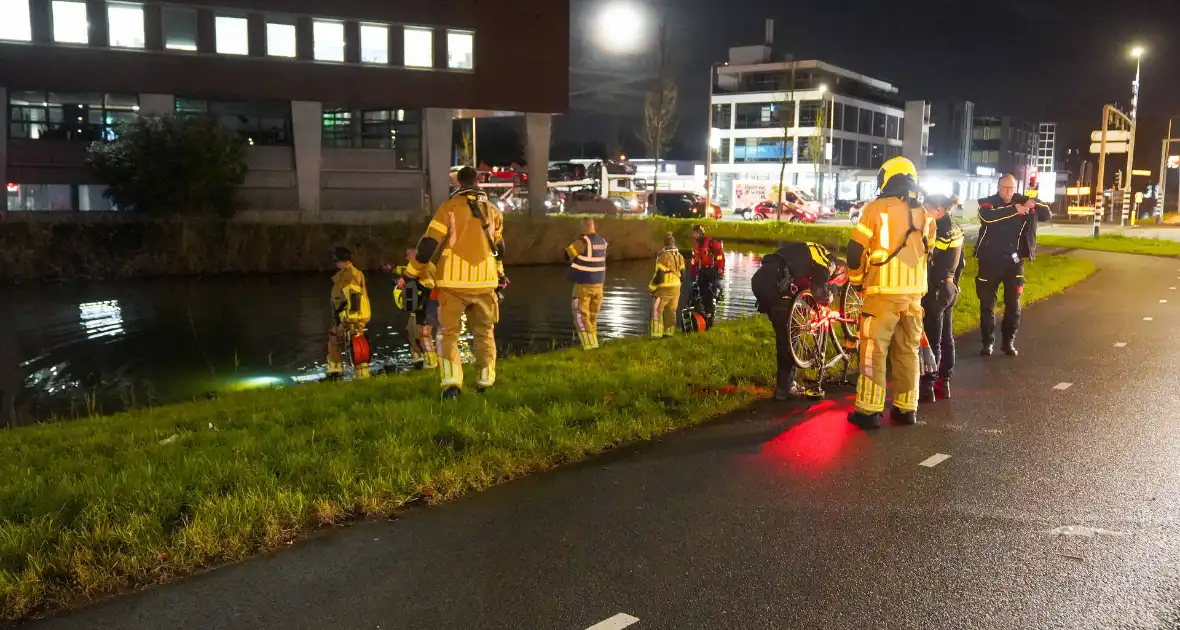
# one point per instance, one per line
(1039, 60)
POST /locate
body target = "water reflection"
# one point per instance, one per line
(100, 347)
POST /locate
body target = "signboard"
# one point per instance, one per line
(985, 171)
(1111, 147)
(1174, 161)
(1138, 197)
(1077, 191)
(1111, 136)
(1141, 173)
(749, 194)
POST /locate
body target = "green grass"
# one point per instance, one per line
(95, 506)
(1114, 243)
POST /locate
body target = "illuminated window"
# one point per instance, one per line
(374, 43)
(460, 50)
(76, 116)
(26, 197)
(125, 25)
(233, 35)
(419, 47)
(329, 40)
(280, 39)
(69, 22)
(180, 28)
(16, 25)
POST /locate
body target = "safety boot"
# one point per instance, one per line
(903, 417)
(865, 421)
(942, 387)
(451, 393)
(926, 391)
(1009, 348)
(986, 350)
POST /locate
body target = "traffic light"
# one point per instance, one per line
(1032, 179)
(1118, 180)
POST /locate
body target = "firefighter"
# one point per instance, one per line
(887, 258)
(707, 270)
(350, 312)
(587, 257)
(665, 289)
(468, 275)
(942, 292)
(1007, 236)
(419, 298)
(795, 266)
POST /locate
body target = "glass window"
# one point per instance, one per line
(16, 25)
(280, 39)
(69, 22)
(260, 123)
(91, 199)
(862, 154)
(125, 24)
(847, 152)
(892, 151)
(374, 43)
(460, 50)
(338, 128)
(722, 116)
(837, 147)
(763, 115)
(877, 157)
(893, 129)
(329, 40)
(761, 149)
(851, 115)
(232, 34)
(879, 124)
(865, 126)
(26, 197)
(809, 113)
(84, 117)
(419, 47)
(805, 150)
(721, 153)
(837, 116)
(180, 28)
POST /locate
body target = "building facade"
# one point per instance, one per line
(950, 134)
(1047, 147)
(347, 106)
(1004, 145)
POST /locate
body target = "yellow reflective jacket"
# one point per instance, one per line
(669, 268)
(350, 296)
(469, 243)
(884, 229)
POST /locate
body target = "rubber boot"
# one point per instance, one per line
(903, 417)
(451, 393)
(926, 390)
(942, 387)
(866, 421)
(1009, 348)
(986, 350)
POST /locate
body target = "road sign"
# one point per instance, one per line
(1111, 147)
(1138, 197)
(1076, 191)
(1141, 172)
(1174, 161)
(1111, 136)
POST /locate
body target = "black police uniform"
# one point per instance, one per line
(805, 265)
(1005, 239)
(946, 268)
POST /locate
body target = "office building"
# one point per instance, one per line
(347, 105)
(950, 135)
(1047, 147)
(1004, 145)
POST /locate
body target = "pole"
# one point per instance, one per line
(1100, 205)
(474, 155)
(709, 141)
(1163, 185)
(1131, 144)
(832, 146)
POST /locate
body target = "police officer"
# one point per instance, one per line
(1007, 236)
(665, 288)
(707, 269)
(468, 274)
(946, 267)
(803, 266)
(887, 257)
(351, 312)
(587, 256)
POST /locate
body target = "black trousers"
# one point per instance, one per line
(780, 319)
(940, 330)
(706, 287)
(987, 284)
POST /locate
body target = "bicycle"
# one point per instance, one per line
(814, 343)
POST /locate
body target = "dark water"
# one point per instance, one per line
(100, 347)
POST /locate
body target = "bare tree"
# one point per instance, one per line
(466, 157)
(787, 111)
(660, 112)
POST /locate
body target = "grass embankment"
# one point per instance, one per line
(1117, 243)
(91, 507)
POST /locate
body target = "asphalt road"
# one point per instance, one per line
(1057, 508)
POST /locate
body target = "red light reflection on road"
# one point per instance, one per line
(816, 445)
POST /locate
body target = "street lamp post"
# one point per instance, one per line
(830, 151)
(1162, 189)
(1137, 53)
(709, 141)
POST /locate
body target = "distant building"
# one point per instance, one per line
(1047, 147)
(1004, 144)
(950, 135)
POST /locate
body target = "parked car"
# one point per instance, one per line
(766, 210)
(681, 204)
(566, 172)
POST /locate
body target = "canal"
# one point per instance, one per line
(100, 347)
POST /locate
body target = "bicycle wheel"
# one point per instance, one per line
(851, 303)
(803, 334)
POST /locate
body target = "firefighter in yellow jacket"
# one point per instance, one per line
(887, 258)
(468, 276)
(665, 289)
(350, 311)
(587, 256)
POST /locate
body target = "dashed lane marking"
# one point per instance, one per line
(618, 622)
(1121, 344)
(1148, 319)
(934, 460)
(1171, 288)
(1163, 301)
(1063, 386)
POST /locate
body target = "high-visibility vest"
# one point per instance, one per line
(897, 258)
(589, 266)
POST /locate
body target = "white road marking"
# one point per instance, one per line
(1171, 288)
(618, 622)
(1163, 301)
(934, 460)
(1084, 531)
(1063, 386)
(1147, 319)
(1121, 344)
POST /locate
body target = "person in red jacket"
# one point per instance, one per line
(707, 270)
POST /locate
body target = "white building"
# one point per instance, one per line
(834, 126)
(1046, 147)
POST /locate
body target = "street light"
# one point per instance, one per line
(620, 27)
(1137, 53)
(714, 139)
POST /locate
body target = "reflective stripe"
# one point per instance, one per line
(452, 374)
(863, 229)
(487, 377)
(438, 225)
(885, 231)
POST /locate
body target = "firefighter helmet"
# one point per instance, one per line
(893, 167)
